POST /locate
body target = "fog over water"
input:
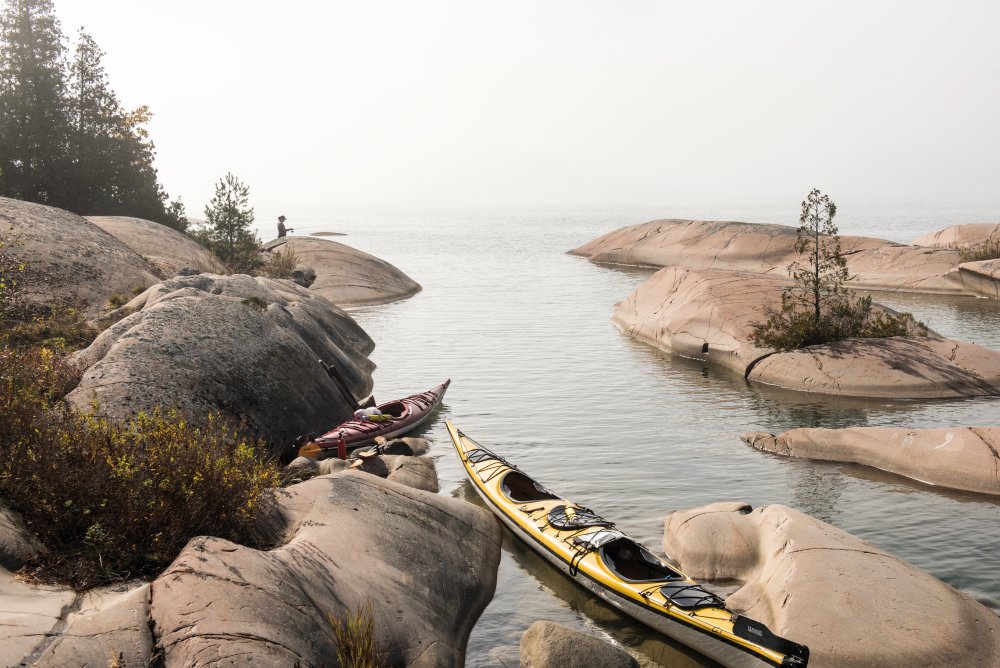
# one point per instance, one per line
(562, 102)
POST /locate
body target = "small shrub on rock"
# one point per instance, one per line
(281, 264)
(987, 250)
(355, 634)
(113, 500)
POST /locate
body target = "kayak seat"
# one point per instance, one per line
(632, 562)
(690, 596)
(520, 488)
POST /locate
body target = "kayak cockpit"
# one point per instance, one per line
(521, 489)
(396, 409)
(634, 563)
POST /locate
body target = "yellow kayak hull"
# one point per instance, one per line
(598, 557)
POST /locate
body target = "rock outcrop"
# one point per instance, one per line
(894, 368)
(550, 645)
(345, 275)
(708, 315)
(769, 249)
(966, 458)
(165, 248)
(246, 347)
(70, 261)
(426, 565)
(851, 603)
(957, 236)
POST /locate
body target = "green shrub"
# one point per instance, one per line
(110, 499)
(987, 250)
(794, 326)
(62, 327)
(281, 264)
(355, 636)
(117, 300)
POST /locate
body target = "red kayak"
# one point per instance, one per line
(395, 419)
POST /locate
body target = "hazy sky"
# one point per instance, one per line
(319, 105)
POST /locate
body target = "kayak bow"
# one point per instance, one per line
(611, 565)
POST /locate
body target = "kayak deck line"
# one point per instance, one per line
(589, 549)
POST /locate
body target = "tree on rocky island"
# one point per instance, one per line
(226, 230)
(820, 308)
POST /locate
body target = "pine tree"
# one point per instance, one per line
(228, 218)
(33, 115)
(823, 272)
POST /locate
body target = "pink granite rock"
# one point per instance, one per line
(960, 235)
(851, 603)
(347, 276)
(966, 458)
(769, 249)
(166, 248)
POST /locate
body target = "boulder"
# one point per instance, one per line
(406, 445)
(895, 368)
(876, 264)
(708, 315)
(70, 261)
(966, 458)
(345, 275)
(246, 347)
(550, 645)
(425, 564)
(416, 472)
(957, 236)
(851, 603)
(164, 247)
(981, 278)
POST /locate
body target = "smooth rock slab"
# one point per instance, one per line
(968, 234)
(705, 314)
(550, 645)
(966, 458)
(246, 347)
(345, 275)
(166, 248)
(876, 264)
(70, 261)
(426, 564)
(894, 368)
(851, 603)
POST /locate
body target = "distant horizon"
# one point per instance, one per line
(562, 103)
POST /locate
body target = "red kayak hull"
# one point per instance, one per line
(407, 414)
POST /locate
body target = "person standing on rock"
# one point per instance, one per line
(281, 227)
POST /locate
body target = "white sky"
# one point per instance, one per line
(377, 103)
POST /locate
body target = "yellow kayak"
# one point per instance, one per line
(597, 556)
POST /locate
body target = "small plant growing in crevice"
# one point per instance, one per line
(256, 303)
(117, 300)
(355, 636)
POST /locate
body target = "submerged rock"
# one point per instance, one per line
(851, 603)
(769, 249)
(966, 458)
(345, 275)
(550, 645)
(246, 347)
(425, 564)
(70, 261)
(165, 248)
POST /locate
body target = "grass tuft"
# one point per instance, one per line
(355, 634)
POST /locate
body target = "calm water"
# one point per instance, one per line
(541, 375)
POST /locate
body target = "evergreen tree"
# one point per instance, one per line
(820, 308)
(228, 218)
(33, 115)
